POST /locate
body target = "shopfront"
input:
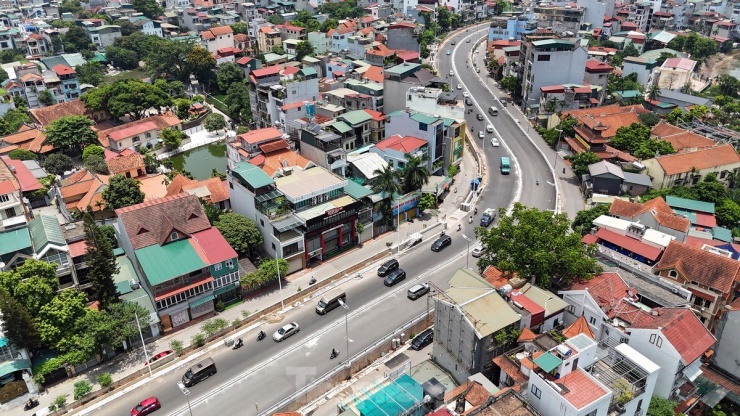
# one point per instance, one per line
(332, 232)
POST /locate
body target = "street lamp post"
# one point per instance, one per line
(141, 335)
(186, 392)
(346, 327)
(467, 253)
(280, 284)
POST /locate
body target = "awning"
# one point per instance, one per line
(196, 303)
(268, 196)
(287, 224)
(548, 362)
(629, 244)
(225, 289)
(15, 365)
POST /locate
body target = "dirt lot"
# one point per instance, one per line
(720, 63)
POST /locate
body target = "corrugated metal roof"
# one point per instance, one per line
(45, 230)
(163, 263)
(689, 204)
(251, 174)
(14, 241)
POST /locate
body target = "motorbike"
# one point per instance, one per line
(459, 227)
(470, 220)
(538, 181)
(312, 281)
(238, 344)
(334, 354)
(261, 336)
(475, 211)
(30, 404)
(563, 171)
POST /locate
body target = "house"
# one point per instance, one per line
(142, 132)
(27, 138)
(368, 90)
(540, 309)
(104, 36)
(675, 73)
(268, 37)
(31, 189)
(643, 67)
(12, 209)
(597, 73)
(184, 261)
(81, 191)
(211, 191)
(555, 98)
(399, 79)
(609, 179)
(540, 56)
(216, 38)
(682, 100)
(629, 243)
(655, 214)
(402, 36)
(46, 115)
(466, 318)
(248, 145)
(682, 140)
(70, 85)
(688, 168)
(395, 148)
(128, 163)
(290, 31)
(708, 273)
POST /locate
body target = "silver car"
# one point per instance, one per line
(495, 143)
(286, 331)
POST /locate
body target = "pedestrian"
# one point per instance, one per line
(256, 407)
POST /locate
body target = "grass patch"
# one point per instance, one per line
(137, 73)
(218, 102)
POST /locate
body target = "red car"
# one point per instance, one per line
(159, 355)
(145, 407)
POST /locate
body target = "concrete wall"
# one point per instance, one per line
(728, 343)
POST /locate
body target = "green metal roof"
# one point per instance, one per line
(356, 117)
(118, 251)
(403, 68)
(548, 362)
(394, 113)
(356, 191)
(340, 126)
(163, 263)
(98, 57)
(629, 93)
(45, 230)
(126, 273)
(142, 298)
(423, 118)
(722, 234)
(689, 204)
(307, 71)
(15, 241)
(253, 175)
(205, 299)
(448, 121)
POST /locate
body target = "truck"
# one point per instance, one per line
(488, 216)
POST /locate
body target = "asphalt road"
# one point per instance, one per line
(263, 373)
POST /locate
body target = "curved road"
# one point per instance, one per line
(261, 374)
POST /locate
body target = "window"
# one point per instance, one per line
(4, 198)
(543, 58)
(656, 340)
(536, 392)
(148, 135)
(273, 247)
(571, 309)
(217, 266)
(624, 340)
(230, 263)
(174, 236)
(592, 413)
(422, 127)
(10, 212)
(262, 222)
(136, 139)
(592, 320)
(673, 274)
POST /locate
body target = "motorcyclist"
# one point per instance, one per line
(538, 181)
(262, 334)
(334, 352)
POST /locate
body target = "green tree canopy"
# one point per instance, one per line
(97, 164)
(649, 119)
(240, 232)
(22, 154)
(92, 150)
(415, 173)
(122, 192)
(215, 122)
(150, 8)
(172, 138)
(32, 284)
(123, 58)
(58, 163)
(228, 75)
(102, 264)
(240, 28)
(584, 220)
(71, 131)
(661, 407)
(265, 273)
(538, 246)
(580, 161)
(17, 324)
(127, 97)
(302, 49)
(90, 73)
(13, 119)
(57, 320)
(386, 181)
(201, 63)
(77, 40)
(168, 59)
(237, 101)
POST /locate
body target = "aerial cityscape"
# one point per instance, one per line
(405, 208)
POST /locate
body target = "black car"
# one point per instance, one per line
(453, 42)
(479, 116)
(468, 101)
(394, 277)
(441, 243)
(423, 339)
(388, 267)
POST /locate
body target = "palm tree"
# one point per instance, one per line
(386, 181)
(415, 173)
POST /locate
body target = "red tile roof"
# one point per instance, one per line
(260, 135)
(404, 144)
(283, 158)
(607, 290)
(273, 146)
(63, 70)
(244, 60)
(267, 71)
(657, 208)
(496, 277)
(679, 63)
(77, 249)
(701, 266)
(592, 65)
(131, 131)
(629, 243)
(579, 326)
(126, 163)
(701, 159)
(29, 138)
(25, 178)
(683, 330)
(581, 389)
(510, 369)
(376, 115)
(212, 247)
(221, 30)
(46, 115)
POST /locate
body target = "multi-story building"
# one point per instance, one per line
(370, 89)
(144, 132)
(249, 145)
(290, 31)
(538, 59)
(399, 79)
(70, 85)
(675, 73)
(597, 74)
(511, 27)
(274, 88)
(638, 13)
(395, 148)
(30, 83)
(302, 215)
(403, 36)
(691, 167)
(467, 319)
(643, 67)
(216, 38)
(268, 37)
(184, 261)
(12, 209)
(556, 98)
(563, 20)
(104, 36)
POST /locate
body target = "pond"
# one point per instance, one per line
(201, 161)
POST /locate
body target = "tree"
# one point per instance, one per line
(14, 119)
(77, 40)
(538, 246)
(240, 232)
(11, 55)
(70, 6)
(58, 163)
(127, 97)
(265, 273)
(580, 161)
(237, 101)
(169, 60)
(22, 154)
(426, 202)
(240, 28)
(509, 83)
(92, 150)
(32, 284)
(630, 138)
(95, 163)
(415, 173)
(661, 407)
(728, 85)
(150, 8)
(127, 28)
(649, 119)
(71, 131)
(46, 98)
(57, 320)
(123, 58)
(386, 181)
(728, 213)
(102, 264)
(17, 324)
(122, 192)
(228, 75)
(215, 122)
(675, 116)
(584, 220)
(90, 73)
(201, 63)
(172, 138)
(302, 49)
(710, 189)
(276, 19)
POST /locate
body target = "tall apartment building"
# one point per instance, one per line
(560, 19)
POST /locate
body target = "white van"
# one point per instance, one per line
(493, 111)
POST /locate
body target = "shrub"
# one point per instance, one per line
(220, 324)
(176, 346)
(59, 402)
(198, 340)
(105, 380)
(82, 387)
(22, 154)
(245, 314)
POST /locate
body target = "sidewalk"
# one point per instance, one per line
(132, 361)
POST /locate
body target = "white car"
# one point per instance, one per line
(452, 73)
(495, 143)
(481, 135)
(477, 252)
(459, 87)
(286, 331)
(466, 94)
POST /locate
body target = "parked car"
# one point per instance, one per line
(146, 407)
(442, 242)
(453, 42)
(422, 340)
(286, 331)
(477, 252)
(448, 52)
(417, 291)
(394, 277)
(388, 267)
(467, 41)
(495, 143)
(158, 356)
